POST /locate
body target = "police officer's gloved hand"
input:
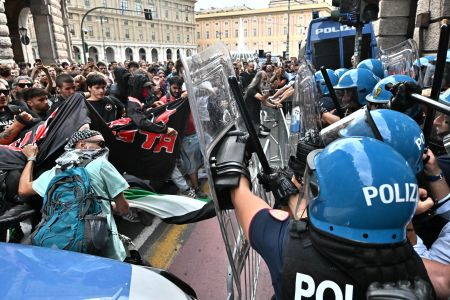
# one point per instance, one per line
(279, 184)
(229, 162)
(297, 163)
(402, 95)
(403, 289)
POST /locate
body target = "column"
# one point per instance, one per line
(6, 53)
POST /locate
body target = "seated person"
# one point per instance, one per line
(106, 181)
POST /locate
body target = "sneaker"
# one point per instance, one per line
(190, 192)
(15, 234)
(200, 193)
(132, 216)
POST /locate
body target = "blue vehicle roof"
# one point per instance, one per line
(326, 28)
(30, 272)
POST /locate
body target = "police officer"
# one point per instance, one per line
(352, 231)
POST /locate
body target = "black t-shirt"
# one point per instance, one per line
(253, 105)
(246, 78)
(105, 108)
(6, 119)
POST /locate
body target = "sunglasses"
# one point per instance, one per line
(4, 92)
(101, 144)
(23, 85)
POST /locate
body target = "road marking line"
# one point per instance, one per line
(146, 233)
(166, 247)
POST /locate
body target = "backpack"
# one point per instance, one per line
(72, 217)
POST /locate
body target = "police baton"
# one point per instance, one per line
(432, 104)
(232, 80)
(437, 81)
(330, 87)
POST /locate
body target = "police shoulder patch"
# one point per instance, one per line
(279, 215)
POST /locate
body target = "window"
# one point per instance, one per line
(269, 31)
(125, 22)
(198, 35)
(87, 2)
(187, 18)
(217, 24)
(207, 35)
(188, 38)
(245, 32)
(226, 33)
(285, 31)
(123, 5)
(217, 35)
(254, 31)
(153, 36)
(141, 36)
(166, 13)
(91, 30)
(152, 25)
(71, 29)
(177, 15)
(88, 18)
(178, 38)
(70, 16)
(168, 37)
(139, 24)
(236, 33)
(138, 8)
(226, 23)
(104, 3)
(107, 32)
(127, 33)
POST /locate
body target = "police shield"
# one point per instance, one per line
(402, 59)
(305, 116)
(215, 113)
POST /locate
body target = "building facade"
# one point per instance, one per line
(50, 32)
(118, 35)
(260, 29)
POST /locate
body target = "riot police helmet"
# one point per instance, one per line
(339, 72)
(380, 94)
(321, 82)
(374, 65)
(373, 198)
(363, 80)
(395, 129)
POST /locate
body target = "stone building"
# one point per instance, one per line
(261, 29)
(117, 35)
(51, 30)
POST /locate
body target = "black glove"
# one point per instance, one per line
(279, 184)
(402, 289)
(402, 95)
(228, 164)
(297, 163)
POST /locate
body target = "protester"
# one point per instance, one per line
(106, 108)
(104, 178)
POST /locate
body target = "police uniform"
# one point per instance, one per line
(306, 262)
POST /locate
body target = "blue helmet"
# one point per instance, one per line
(319, 79)
(361, 79)
(365, 191)
(380, 94)
(374, 65)
(340, 72)
(396, 129)
(445, 97)
(423, 62)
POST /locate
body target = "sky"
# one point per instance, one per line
(205, 4)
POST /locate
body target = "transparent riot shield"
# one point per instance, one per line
(305, 116)
(215, 112)
(402, 59)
